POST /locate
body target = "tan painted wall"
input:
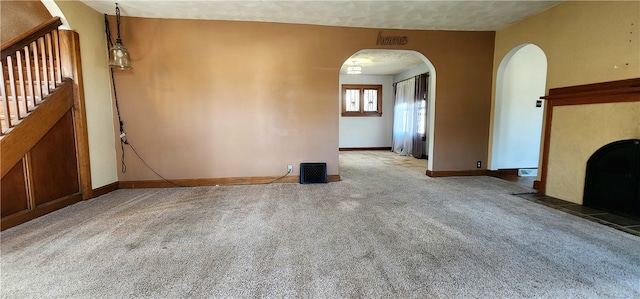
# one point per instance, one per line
(585, 42)
(97, 88)
(20, 16)
(211, 99)
(591, 127)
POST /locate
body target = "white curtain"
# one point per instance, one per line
(403, 117)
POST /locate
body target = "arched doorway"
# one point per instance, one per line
(365, 58)
(518, 111)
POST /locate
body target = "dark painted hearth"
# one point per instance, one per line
(626, 223)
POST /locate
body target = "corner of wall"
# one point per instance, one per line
(90, 26)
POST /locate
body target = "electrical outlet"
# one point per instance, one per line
(479, 164)
(290, 168)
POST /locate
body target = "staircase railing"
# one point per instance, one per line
(31, 70)
(42, 118)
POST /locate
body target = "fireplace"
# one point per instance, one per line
(613, 178)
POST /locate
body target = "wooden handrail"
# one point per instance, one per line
(10, 47)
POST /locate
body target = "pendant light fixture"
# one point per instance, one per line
(354, 69)
(118, 54)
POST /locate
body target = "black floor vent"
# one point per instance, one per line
(311, 173)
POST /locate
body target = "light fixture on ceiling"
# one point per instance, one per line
(354, 69)
(118, 54)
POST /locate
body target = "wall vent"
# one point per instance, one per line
(528, 172)
(312, 173)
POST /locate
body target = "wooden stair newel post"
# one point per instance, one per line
(72, 68)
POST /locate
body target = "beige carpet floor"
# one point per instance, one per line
(385, 231)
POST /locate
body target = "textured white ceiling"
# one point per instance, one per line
(427, 15)
(382, 62)
(424, 14)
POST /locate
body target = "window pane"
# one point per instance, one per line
(422, 117)
(352, 100)
(370, 100)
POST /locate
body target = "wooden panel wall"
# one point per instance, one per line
(54, 171)
(45, 179)
(14, 191)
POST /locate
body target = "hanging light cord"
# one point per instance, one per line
(123, 139)
(118, 40)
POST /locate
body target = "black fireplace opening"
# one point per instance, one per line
(612, 181)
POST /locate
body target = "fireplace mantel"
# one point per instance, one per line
(578, 121)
